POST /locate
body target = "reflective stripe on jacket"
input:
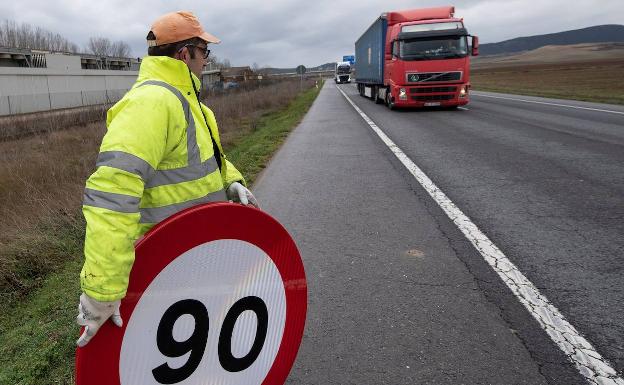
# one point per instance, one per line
(157, 158)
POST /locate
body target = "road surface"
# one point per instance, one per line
(397, 293)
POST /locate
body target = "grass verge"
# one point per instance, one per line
(250, 153)
(37, 331)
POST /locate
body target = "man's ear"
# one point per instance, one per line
(182, 54)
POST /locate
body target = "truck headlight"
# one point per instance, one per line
(463, 92)
(402, 94)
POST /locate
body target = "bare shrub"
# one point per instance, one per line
(41, 182)
(15, 126)
(237, 111)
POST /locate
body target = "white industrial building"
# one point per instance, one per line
(32, 81)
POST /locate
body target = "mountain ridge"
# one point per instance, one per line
(596, 34)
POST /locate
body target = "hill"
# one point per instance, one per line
(597, 34)
(575, 53)
(322, 67)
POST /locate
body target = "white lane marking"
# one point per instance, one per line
(587, 360)
(463, 108)
(549, 104)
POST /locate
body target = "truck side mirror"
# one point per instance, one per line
(475, 46)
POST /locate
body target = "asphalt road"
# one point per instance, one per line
(397, 295)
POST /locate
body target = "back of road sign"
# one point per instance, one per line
(217, 294)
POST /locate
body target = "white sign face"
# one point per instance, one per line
(215, 315)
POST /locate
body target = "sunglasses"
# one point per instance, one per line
(205, 49)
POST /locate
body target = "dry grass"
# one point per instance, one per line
(241, 109)
(596, 81)
(17, 126)
(42, 179)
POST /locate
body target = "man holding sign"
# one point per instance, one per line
(160, 155)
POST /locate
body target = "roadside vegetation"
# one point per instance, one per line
(592, 81)
(41, 226)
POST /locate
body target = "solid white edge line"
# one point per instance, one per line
(546, 103)
(463, 108)
(588, 361)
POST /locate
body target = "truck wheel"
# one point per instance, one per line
(389, 101)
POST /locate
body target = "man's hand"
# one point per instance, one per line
(92, 314)
(241, 194)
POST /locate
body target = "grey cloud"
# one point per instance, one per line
(287, 33)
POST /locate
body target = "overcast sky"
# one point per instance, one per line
(285, 33)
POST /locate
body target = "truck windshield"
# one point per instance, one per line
(433, 48)
(343, 70)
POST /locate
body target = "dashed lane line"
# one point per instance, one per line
(547, 103)
(579, 350)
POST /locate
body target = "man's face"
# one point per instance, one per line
(197, 60)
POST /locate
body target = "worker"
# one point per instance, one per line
(160, 155)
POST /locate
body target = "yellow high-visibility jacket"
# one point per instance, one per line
(157, 158)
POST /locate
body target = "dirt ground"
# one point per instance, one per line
(591, 80)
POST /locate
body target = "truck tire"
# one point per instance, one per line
(390, 101)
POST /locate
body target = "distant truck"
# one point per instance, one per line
(343, 72)
(415, 58)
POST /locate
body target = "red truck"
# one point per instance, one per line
(415, 58)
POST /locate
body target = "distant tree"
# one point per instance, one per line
(255, 67)
(120, 49)
(24, 35)
(219, 63)
(102, 46)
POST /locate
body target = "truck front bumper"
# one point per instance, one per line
(446, 95)
(343, 79)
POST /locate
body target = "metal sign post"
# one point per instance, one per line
(217, 294)
(301, 70)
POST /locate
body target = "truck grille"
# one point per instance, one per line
(432, 97)
(424, 77)
(431, 90)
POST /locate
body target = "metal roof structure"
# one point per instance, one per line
(18, 57)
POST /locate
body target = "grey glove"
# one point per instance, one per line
(236, 192)
(92, 314)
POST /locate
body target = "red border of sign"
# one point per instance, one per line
(98, 362)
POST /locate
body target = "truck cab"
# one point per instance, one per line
(427, 63)
(342, 73)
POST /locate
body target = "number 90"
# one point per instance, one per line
(196, 343)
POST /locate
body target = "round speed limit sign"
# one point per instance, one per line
(217, 295)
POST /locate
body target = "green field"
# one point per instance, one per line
(37, 326)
